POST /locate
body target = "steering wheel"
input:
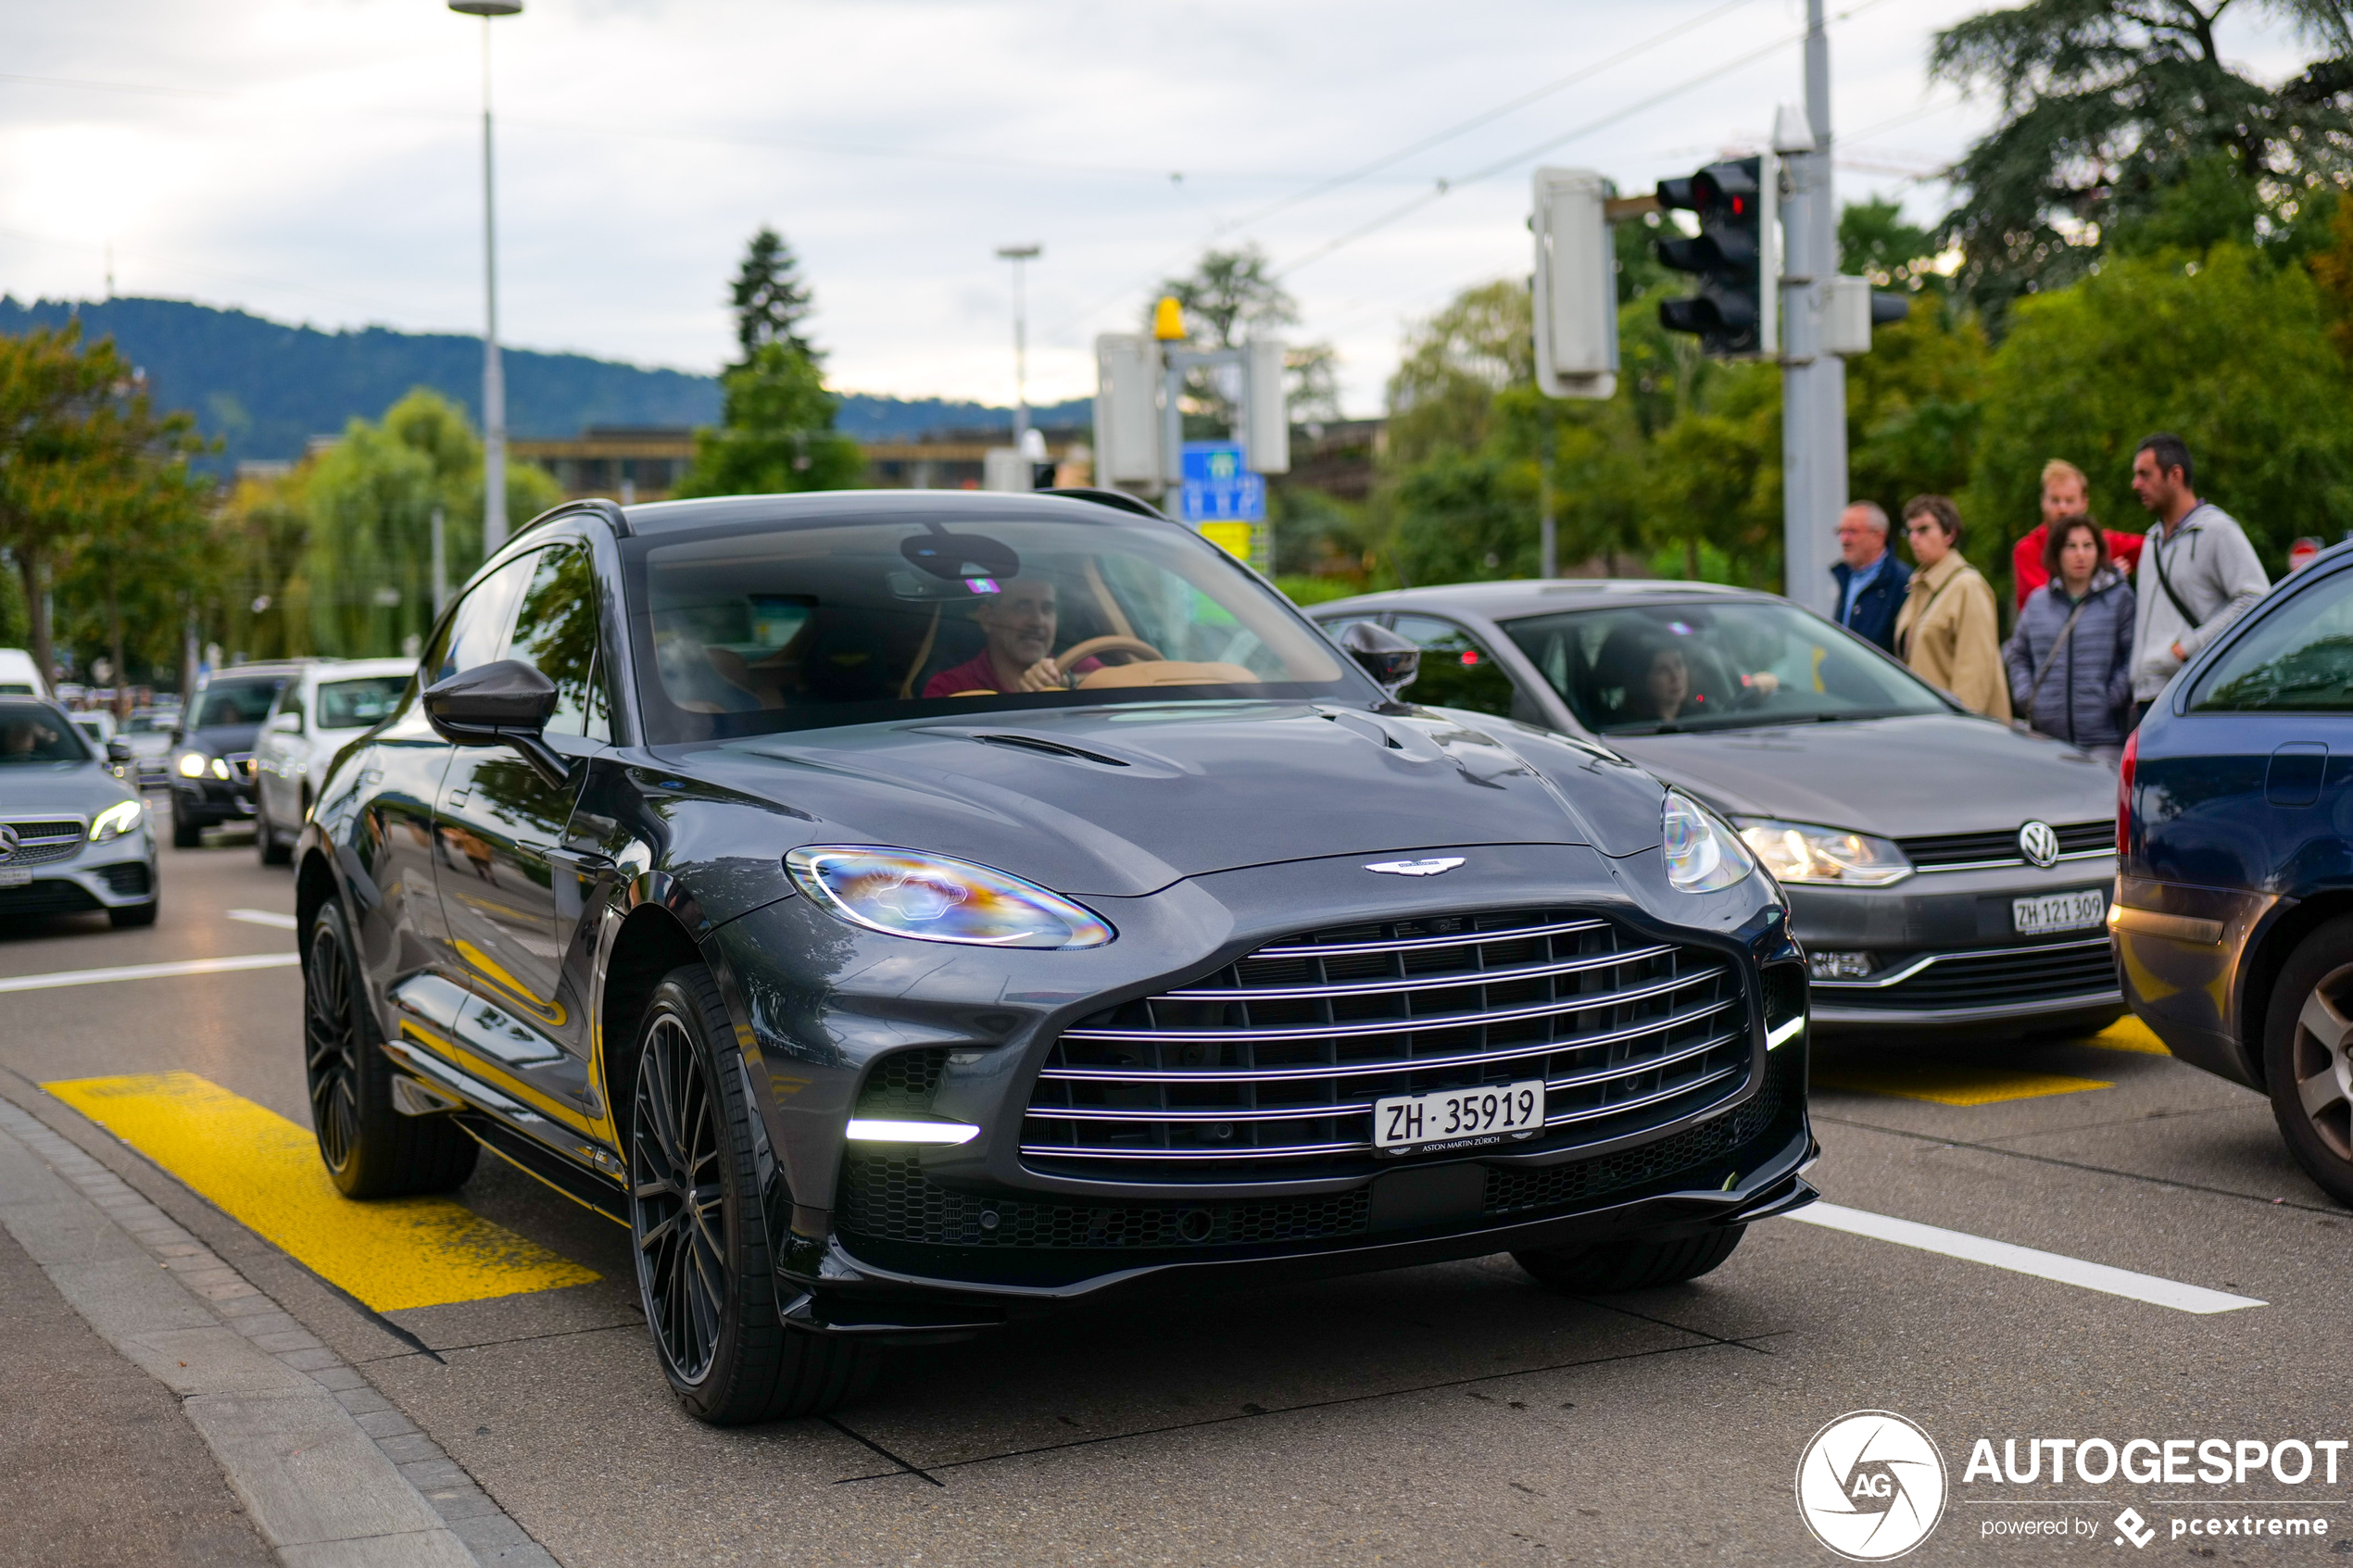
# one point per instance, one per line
(1093, 646)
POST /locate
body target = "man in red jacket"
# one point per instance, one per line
(2065, 493)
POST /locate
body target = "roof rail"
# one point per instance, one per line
(617, 520)
(1118, 498)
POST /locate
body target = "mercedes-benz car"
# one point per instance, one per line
(907, 910)
(212, 748)
(1943, 869)
(74, 836)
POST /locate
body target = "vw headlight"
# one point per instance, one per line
(934, 898)
(191, 764)
(116, 820)
(1702, 856)
(1797, 852)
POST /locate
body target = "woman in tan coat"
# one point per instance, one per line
(1948, 630)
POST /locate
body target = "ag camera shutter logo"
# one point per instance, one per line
(1870, 1485)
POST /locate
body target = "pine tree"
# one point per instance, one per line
(769, 299)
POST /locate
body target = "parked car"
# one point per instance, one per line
(97, 724)
(1941, 868)
(2234, 907)
(212, 750)
(19, 676)
(710, 873)
(317, 712)
(73, 837)
(148, 735)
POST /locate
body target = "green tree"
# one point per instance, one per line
(770, 299)
(777, 434)
(142, 553)
(2108, 107)
(2229, 352)
(1228, 298)
(371, 500)
(54, 391)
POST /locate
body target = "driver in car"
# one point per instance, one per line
(1019, 621)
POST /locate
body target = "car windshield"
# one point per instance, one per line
(225, 703)
(148, 724)
(354, 705)
(1652, 669)
(842, 624)
(30, 733)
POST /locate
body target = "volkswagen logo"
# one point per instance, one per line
(9, 844)
(2039, 843)
(1430, 867)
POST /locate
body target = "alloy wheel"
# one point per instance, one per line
(2317, 1056)
(330, 1045)
(676, 1200)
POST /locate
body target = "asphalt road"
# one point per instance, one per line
(1452, 1414)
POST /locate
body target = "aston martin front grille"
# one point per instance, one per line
(1270, 1066)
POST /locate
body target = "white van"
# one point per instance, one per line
(20, 677)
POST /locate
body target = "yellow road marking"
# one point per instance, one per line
(264, 1172)
(2128, 1033)
(1952, 1082)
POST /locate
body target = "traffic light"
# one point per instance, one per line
(1734, 311)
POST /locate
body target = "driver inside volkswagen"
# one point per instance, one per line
(1019, 621)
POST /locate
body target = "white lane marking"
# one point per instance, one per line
(2025, 1260)
(264, 917)
(147, 970)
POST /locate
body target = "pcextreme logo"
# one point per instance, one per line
(1870, 1485)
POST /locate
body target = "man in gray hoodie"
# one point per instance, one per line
(2197, 572)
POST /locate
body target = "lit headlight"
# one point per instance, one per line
(116, 820)
(1796, 852)
(1701, 855)
(220, 767)
(933, 898)
(191, 764)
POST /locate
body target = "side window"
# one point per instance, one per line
(290, 700)
(556, 634)
(1456, 670)
(2298, 660)
(477, 631)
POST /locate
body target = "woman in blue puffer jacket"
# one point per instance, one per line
(2070, 659)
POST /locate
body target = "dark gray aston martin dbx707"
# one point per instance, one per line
(907, 910)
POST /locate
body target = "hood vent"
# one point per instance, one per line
(1050, 748)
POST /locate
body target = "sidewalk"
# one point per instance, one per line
(158, 1408)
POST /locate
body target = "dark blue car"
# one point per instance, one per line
(2233, 911)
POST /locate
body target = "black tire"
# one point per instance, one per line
(266, 843)
(185, 834)
(2305, 1036)
(704, 1274)
(1632, 1262)
(371, 1149)
(131, 916)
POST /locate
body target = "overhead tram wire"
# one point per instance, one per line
(1501, 165)
(1324, 187)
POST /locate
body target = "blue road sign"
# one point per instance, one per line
(1217, 488)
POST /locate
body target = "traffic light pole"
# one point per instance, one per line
(1813, 381)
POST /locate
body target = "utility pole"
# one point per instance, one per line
(1018, 255)
(494, 376)
(1813, 377)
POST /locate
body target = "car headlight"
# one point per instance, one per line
(934, 898)
(1701, 855)
(115, 820)
(1797, 852)
(191, 764)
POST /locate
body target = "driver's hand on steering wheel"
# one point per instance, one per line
(1044, 676)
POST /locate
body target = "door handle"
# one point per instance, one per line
(459, 797)
(578, 860)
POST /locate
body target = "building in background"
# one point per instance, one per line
(634, 463)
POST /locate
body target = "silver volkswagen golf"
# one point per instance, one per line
(1941, 868)
(74, 838)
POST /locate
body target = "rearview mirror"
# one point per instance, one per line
(118, 751)
(503, 704)
(1390, 660)
(286, 724)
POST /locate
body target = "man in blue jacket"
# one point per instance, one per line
(1871, 582)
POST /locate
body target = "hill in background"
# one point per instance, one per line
(264, 389)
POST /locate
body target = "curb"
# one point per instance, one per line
(330, 1472)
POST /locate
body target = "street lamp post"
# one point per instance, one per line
(494, 377)
(1018, 255)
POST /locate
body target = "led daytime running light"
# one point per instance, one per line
(116, 820)
(936, 898)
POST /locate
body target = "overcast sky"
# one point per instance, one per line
(319, 160)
